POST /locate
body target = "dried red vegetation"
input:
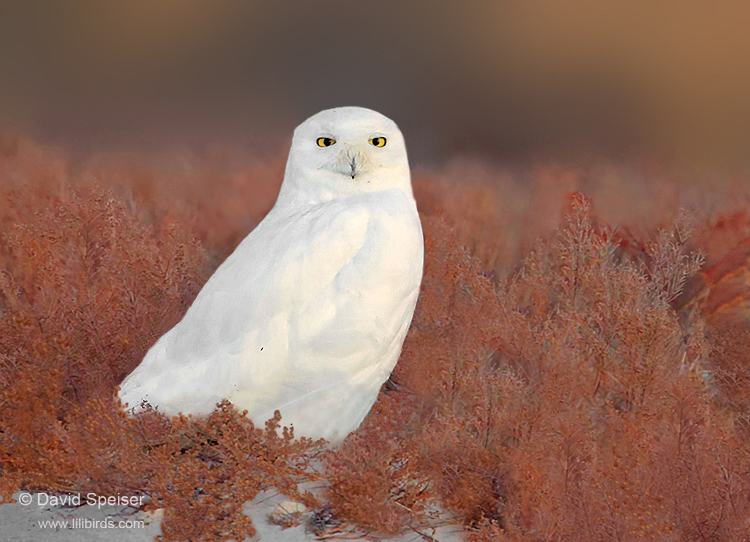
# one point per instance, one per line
(561, 405)
(561, 387)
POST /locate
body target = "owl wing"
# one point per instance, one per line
(280, 304)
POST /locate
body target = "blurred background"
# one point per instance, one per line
(498, 79)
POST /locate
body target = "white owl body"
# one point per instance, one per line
(309, 313)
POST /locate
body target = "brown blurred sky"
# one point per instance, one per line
(498, 77)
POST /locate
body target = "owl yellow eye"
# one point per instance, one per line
(378, 141)
(325, 142)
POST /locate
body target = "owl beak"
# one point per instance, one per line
(350, 162)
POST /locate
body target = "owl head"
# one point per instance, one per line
(344, 151)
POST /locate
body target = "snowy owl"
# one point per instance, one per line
(308, 315)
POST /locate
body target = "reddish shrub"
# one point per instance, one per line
(559, 405)
(85, 289)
